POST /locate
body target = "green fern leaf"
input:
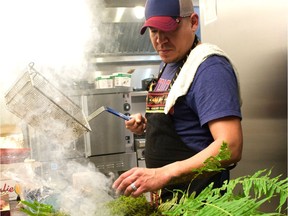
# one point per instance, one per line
(256, 190)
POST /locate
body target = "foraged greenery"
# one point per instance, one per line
(129, 206)
(252, 192)
(40, 209)
(255, 191)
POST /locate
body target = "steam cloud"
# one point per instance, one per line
(58, 37)
(72, 186)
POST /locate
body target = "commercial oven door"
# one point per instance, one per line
(108, 135)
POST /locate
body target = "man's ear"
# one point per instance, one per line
(194, 19)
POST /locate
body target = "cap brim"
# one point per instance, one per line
(163, 23)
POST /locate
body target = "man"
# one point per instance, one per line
(192, 108)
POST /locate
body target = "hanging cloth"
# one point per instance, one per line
(188, 71)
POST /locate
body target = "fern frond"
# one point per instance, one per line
(283, 194)
(261, 184)
(213, 163)
(210, 202)
(171, 204)
(235, 207)
(256, 190)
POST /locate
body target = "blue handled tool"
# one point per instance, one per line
(110, 110)
(121, 115)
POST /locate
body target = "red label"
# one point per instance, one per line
(5, 188)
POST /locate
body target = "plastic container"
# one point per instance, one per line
(105, 81)
(122, 79)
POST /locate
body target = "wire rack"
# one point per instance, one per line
(34, 99)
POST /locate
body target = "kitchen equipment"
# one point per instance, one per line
(34, 99)
(109, 135)
(109, 145)
(146, 82)
(110, 110)
(138, 101)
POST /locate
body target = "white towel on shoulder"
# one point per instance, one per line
(188, 71)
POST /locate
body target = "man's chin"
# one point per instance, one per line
(166, 59)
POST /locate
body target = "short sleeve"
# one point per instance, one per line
(214, 92)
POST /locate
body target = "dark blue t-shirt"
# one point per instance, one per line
(213, 94)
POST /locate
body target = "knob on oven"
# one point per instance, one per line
(126, 106)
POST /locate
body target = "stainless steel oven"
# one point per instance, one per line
(108, 135)
(109, 145)
(138, 101)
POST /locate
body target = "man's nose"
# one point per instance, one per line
(161, 37)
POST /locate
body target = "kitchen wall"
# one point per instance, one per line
(254, 34)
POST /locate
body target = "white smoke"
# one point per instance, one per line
(58, 37)
(71, 186)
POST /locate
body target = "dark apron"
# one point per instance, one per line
(164, 146)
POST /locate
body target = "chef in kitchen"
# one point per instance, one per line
(191, 108)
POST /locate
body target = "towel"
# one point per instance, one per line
(188, 71)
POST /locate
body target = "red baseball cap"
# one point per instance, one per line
(165, 14)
